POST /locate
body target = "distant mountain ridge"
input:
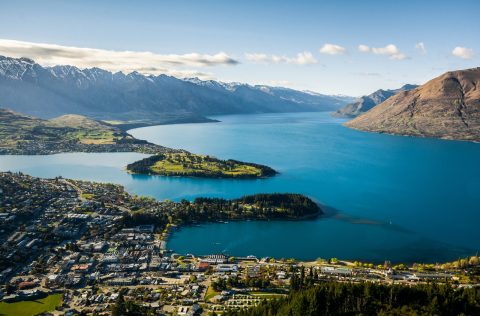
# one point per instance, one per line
(30, 88)
(365, 103)
(445, 107)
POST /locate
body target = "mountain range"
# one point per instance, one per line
(445, 107)
(366, 102)
(45, 92)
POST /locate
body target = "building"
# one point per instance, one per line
(203, 266)
(227, 268)
(145, 229)
(121, 282)
(215, 259)
(188, 310)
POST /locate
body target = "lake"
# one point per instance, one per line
(385, 197)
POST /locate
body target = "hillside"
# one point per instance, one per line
(368, 298)
(78, 121)
(366, 102)
(445, 107)
(45, 92)
(21, 134)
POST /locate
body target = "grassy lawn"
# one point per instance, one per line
(210, 293)
(92, 136)
(30, 308)
(186, 164)
(88, 196)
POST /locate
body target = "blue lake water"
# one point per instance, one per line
(385, 197)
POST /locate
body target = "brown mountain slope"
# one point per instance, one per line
(445, 107)
(79, 121)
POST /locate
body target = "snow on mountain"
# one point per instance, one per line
(30, 88)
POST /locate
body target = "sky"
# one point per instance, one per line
(332, 47)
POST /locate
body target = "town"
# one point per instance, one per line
(89, 247)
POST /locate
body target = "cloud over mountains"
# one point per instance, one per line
(126, 61)
(303, 58)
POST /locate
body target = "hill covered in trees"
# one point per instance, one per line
(265, 205)
(268, 206)
(337, 298)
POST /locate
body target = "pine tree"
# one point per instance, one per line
(119, 308)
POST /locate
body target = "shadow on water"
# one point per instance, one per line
(420, 250)
(331, 212)
(200, 180)
(423, 250)
(231, 245)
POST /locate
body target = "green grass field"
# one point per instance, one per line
(186, 164)
(210, 294)
(17, 128)
(92, 136)
(88, 196)
(31, 308)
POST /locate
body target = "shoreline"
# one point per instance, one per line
(126, 127)
(198, 177)
(167, 233)
(446, 138)
(186, 164)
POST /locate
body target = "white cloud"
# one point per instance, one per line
(391, 51)
(258, 57)
(421, 47)
(463, 52)
(280, 83)
(364, 48)
(184, 73)
(303, 58)
(332, 49)
(126, 61)
(369, 74)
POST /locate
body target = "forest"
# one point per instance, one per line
(287, 206)
(337, 298)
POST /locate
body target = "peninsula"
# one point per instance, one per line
(85, 197)
(93, 247)
(25, 135)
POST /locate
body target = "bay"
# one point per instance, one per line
(385, 197)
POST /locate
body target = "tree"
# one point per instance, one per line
(119, 309)
(337, 298)
(9, 288)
